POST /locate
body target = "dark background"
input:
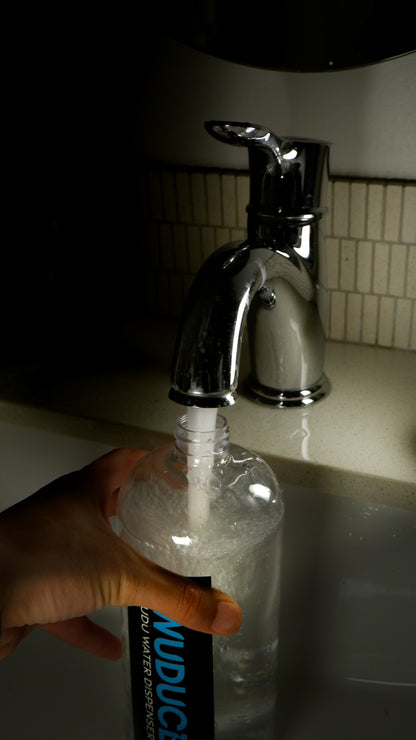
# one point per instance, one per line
(69, 243)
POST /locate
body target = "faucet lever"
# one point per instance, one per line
(249, 135)
(286, 174)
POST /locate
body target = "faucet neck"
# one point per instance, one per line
(207, 353)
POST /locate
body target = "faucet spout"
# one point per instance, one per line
(277, 273)
(207, 356)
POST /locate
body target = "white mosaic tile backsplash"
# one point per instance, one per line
(371, 246)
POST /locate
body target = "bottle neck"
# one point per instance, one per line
(200, 434)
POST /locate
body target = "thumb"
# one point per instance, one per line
(191, 604)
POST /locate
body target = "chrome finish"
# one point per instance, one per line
(279, 271)
(286, 399)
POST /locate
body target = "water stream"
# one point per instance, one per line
(201, 422)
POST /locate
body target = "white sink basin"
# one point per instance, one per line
(347, 647)
(348, 618)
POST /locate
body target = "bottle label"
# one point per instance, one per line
(171, 677)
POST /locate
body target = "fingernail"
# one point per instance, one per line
(227, 619)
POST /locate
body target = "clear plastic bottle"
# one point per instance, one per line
(205, 507)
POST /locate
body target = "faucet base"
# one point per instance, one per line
(288, 399)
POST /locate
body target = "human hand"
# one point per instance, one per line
(60, 560)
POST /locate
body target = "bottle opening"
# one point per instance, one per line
(202, 432)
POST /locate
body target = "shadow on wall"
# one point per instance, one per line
(367, 113)
(182, 88)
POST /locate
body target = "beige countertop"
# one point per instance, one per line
(360, 441)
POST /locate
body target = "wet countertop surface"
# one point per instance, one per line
(360, 441)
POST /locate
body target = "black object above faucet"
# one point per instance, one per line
(297, 36)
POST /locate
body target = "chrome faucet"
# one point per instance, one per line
(278, 272)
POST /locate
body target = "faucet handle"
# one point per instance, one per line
(250, 135)
(239, 134)
(286, 175)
